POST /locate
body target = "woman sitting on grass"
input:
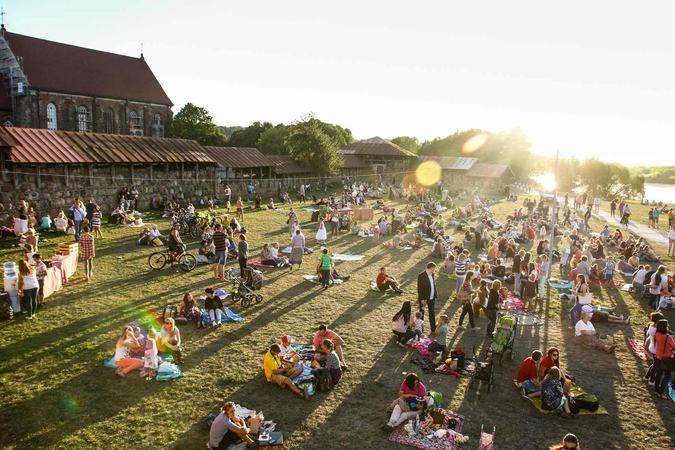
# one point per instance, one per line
(188, 308)
(125, 363)
(332, 361)
(403, 323)
(405, 406)
(227, 429)
(552, 396)
(169, 341)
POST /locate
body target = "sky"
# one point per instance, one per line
(584, 78)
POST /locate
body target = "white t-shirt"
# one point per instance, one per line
(640, 277)
(60, 224)
(122, 351)
(661, 286)
(399, 326)
(580, 326)
(671, 235)
(285, 350)
(651, 332)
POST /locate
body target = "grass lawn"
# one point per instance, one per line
(57, 394)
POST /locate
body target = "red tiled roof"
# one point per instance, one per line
(39, 146)
(487, 170)
(52, 66)
(238, 157)
(450, 162)
(375, 146)
(285, 165)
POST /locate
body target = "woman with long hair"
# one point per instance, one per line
(665, 346)
(125, 363)
(403, 323)
(530, 290)
(405, 406)
(464, 295)
(28, 288)
(552, 396)
(581, 288)
(169, 340)
(188, 308)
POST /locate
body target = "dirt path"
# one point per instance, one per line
(652, 235)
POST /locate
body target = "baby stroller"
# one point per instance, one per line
(345, 222)
(483, 371)
(503, 338)
(243, 288)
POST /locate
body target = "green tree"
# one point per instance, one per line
(340, 136)
(249, 136)
(227, 131)
(309, 144)
(273, 141)
(194, 122)
(409, 143)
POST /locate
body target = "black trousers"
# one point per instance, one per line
(432, 314)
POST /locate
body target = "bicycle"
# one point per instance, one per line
(186, 261)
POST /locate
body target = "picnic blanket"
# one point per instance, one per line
(671, 391)
(429, 366)
(526, 318)
(229, 316)
(575, 390)
(341, 257)
(288, 250)
(617, 283)
(258, 263)
(569, 285)
(310, 209)
(400, 436)
(389, 245)
(514, 302)
(451, 276)
(421, 346)
(166, 371)
(638, 348)
(315, 279)
(627, 287)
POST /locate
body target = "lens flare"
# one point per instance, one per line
(71, 404)
(428, 173)
(474, 143)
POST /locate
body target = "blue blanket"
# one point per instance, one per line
(166, 371)
(229, 317)
(568, 285)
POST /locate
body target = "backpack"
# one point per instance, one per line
(324, 379)
(6, 311)
(574, 406)
(587, 401)
(169, 312)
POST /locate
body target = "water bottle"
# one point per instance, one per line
(417, 424)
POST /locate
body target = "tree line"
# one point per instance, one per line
(314, 144)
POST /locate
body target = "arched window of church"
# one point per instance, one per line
(136, 123)
(157, 126)
(109, 120)
(51, 117)
(83, 120)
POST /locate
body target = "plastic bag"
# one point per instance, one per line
(256, 420)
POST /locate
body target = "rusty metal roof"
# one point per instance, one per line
(115, 148)
(238, 157)
(41, 146)
(53, 66)
(450, 162)
(285, 165)
(487, 170)
(375, 146)
(353, 162)
(38, 146)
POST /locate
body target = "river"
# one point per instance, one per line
(660, 192)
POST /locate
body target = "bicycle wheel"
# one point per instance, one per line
(195, 231)
(187, 262)
(157, 260)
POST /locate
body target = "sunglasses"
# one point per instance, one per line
(554, 354)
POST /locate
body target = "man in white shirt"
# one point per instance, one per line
(639, 279)
(427, 293)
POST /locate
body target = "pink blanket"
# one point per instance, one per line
(514, 302)
(257, 263)
(421, 345)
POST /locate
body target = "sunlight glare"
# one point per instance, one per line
(474, 143)
(428, 173)
(547, 181)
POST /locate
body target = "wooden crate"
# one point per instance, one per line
(68, 248)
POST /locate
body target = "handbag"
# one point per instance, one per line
(585, 299)
(463, 296)
(667, 362)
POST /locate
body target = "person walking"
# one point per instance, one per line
(87, 251)
(79, 214)
(427, 293)
(326, 261)
(243, 254)
(297, 249)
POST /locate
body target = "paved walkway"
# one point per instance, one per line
(652, 235)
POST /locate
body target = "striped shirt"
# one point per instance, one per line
(220, 241)
(96, 219)
(460, 267)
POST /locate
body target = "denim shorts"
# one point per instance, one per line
(529, 386)
(221, 258)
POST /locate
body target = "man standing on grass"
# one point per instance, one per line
(427, 293)
(220, 259)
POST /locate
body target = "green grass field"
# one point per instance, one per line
(56, 393)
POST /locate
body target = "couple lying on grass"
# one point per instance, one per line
(282, 364)
(133, 343)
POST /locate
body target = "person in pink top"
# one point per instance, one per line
(325, 333)
(665, 346)
(405, 406)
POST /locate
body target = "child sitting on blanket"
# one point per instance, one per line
(419, 325)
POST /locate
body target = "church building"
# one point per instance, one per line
(63, 87)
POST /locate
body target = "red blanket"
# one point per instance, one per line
(401, 437)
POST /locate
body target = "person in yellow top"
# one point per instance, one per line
(281, 372)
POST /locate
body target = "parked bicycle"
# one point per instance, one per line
(185, 261)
